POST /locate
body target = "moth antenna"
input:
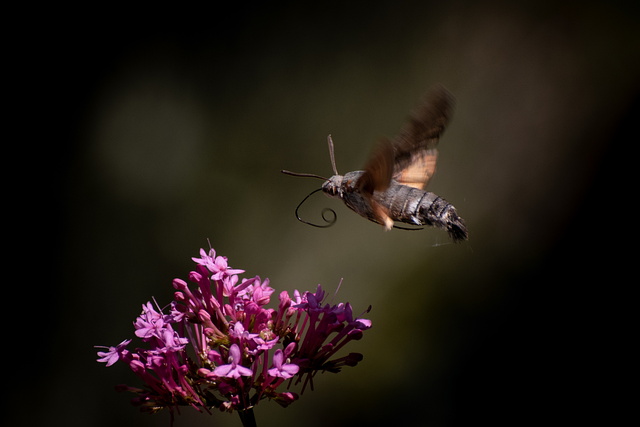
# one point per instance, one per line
(333, 157)
(330, 222)
(304, 175)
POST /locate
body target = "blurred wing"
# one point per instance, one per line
(378, 170)
(377, 177)
(414, 147)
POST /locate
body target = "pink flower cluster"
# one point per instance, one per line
(217, 346)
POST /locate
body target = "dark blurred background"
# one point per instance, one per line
(160, 130)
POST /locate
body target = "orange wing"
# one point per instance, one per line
(414, 147)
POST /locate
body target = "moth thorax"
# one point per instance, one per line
(333, 187)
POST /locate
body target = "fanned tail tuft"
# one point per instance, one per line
(455, 225)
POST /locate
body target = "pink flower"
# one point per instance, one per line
(217, 265)
(225, 319)
(282, 370)
(113, 355)
(233, 369)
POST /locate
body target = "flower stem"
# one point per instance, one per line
(247, 418)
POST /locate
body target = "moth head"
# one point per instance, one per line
(333, 187)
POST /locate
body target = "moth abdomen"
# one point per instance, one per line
(418, 207)
(403, 202)
(436, 211)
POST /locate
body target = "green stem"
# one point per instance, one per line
(247, 418)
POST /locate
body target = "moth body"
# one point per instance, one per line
(401, 202)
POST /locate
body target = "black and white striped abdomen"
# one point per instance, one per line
(404, 204)
(414, 206)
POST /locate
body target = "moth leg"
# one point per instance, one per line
(415, 220)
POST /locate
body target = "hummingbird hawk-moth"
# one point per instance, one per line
(390, 188)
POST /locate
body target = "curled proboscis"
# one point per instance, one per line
(329, 222)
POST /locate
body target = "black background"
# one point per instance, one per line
(518, 326)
